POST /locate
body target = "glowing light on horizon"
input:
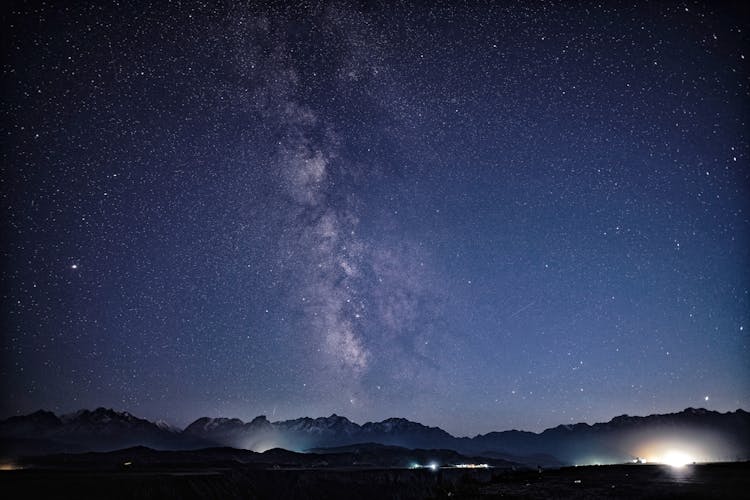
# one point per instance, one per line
(676, 458)
(680, 450)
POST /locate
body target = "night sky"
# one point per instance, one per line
(478, 217)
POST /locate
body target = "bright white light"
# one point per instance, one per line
(433, 466)
(676, 459)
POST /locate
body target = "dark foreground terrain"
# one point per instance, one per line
(726, 480)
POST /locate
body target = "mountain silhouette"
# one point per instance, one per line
(713, 436)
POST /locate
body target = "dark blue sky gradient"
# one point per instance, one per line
(478, 217)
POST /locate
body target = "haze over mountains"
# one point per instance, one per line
(701, 434)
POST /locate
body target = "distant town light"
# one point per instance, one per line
(676, 459)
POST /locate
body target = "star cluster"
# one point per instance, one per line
(476, 216)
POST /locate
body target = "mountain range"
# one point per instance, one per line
(703, 434)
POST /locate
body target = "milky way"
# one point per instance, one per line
(478, 217)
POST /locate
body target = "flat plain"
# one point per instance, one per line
(721, 480)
